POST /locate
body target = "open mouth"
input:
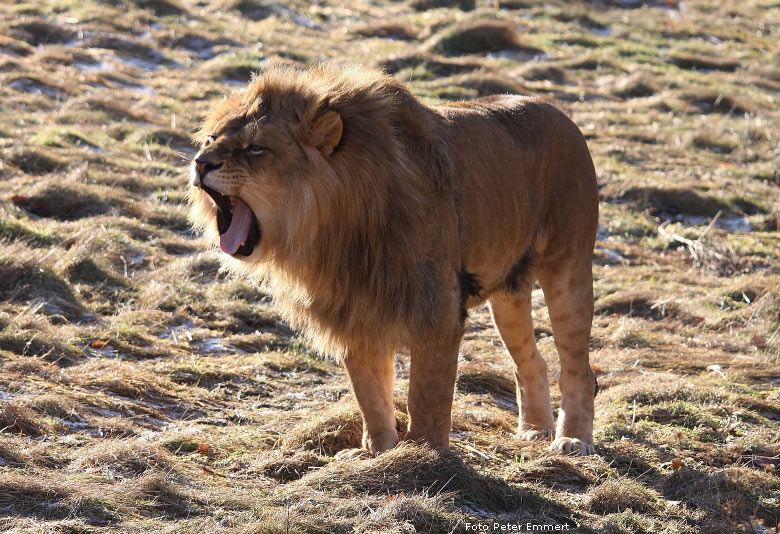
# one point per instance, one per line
(239, 231)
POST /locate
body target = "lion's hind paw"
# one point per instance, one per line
(537, 434)
(572, 446)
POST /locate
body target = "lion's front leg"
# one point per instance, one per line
(432, 374)
(371, 376)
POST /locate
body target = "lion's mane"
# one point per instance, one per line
(351, 269)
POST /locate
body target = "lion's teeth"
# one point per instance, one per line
(243, 242)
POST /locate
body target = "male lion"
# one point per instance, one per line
(377, 221)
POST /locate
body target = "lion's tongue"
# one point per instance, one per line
(231, 240)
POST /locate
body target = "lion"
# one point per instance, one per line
(376, 222)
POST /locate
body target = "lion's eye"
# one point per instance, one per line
(256, 150)
(210, 139)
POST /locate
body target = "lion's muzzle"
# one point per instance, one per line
(237, 224)
(201, 168)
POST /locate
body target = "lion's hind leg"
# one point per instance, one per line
(568, 292)
(512, 316)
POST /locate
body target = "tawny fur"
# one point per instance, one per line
(382, 220)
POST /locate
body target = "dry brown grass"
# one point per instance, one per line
(19, 419)
(482, 37)
(329, 432)
(427, 66)
(619, 495)
(701, 62)
(424, 5)
(392, 30)
(141, 390)
(119, 459)
(636, 304)
(410, 469)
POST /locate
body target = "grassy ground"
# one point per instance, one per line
(143, 391)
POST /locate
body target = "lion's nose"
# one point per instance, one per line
(204, 166)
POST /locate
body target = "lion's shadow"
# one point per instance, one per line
(414, 470)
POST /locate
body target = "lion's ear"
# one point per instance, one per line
(325, 132)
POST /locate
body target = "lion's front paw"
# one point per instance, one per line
(352, 454)
(535, 434)
(572, 446)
